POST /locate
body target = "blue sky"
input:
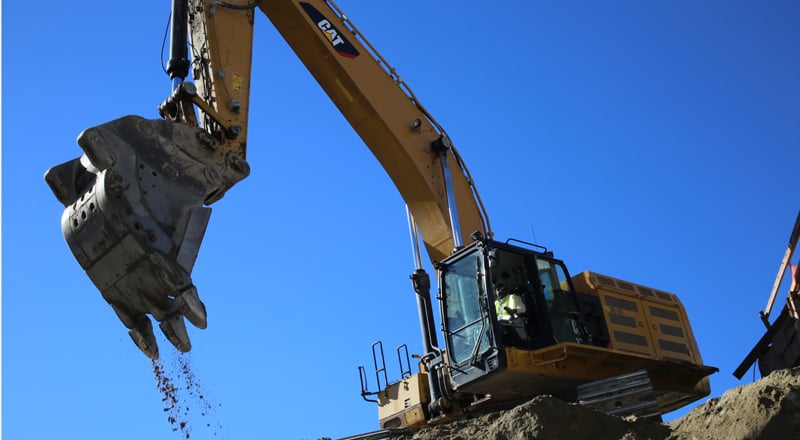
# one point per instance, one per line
(652, 141)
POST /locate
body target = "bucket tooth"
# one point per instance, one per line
(144, 338)
(175, 330)
(192, 307)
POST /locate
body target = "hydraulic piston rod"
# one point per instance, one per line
(441, 146)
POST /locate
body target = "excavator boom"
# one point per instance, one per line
(389, 118)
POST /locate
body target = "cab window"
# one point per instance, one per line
(467, 327)
(560, 301)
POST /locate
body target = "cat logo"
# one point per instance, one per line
(338, 41)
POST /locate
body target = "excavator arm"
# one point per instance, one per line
(136, 201)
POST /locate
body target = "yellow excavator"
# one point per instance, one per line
(137, 210)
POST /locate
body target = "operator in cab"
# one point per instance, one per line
(508, 306)
(511, 314)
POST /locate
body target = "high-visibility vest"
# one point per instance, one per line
(511, 301)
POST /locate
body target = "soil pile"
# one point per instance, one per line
(545, 418)
(765, 410)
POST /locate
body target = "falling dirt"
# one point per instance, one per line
(188, 408)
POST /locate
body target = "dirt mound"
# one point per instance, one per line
(765, 410)
(545, 418)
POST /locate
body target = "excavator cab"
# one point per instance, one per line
(476, 339)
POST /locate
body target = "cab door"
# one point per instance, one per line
(559, 296)
(469, 336)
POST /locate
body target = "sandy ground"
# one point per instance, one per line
(768, 409)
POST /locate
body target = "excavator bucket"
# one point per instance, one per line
(135, 218)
